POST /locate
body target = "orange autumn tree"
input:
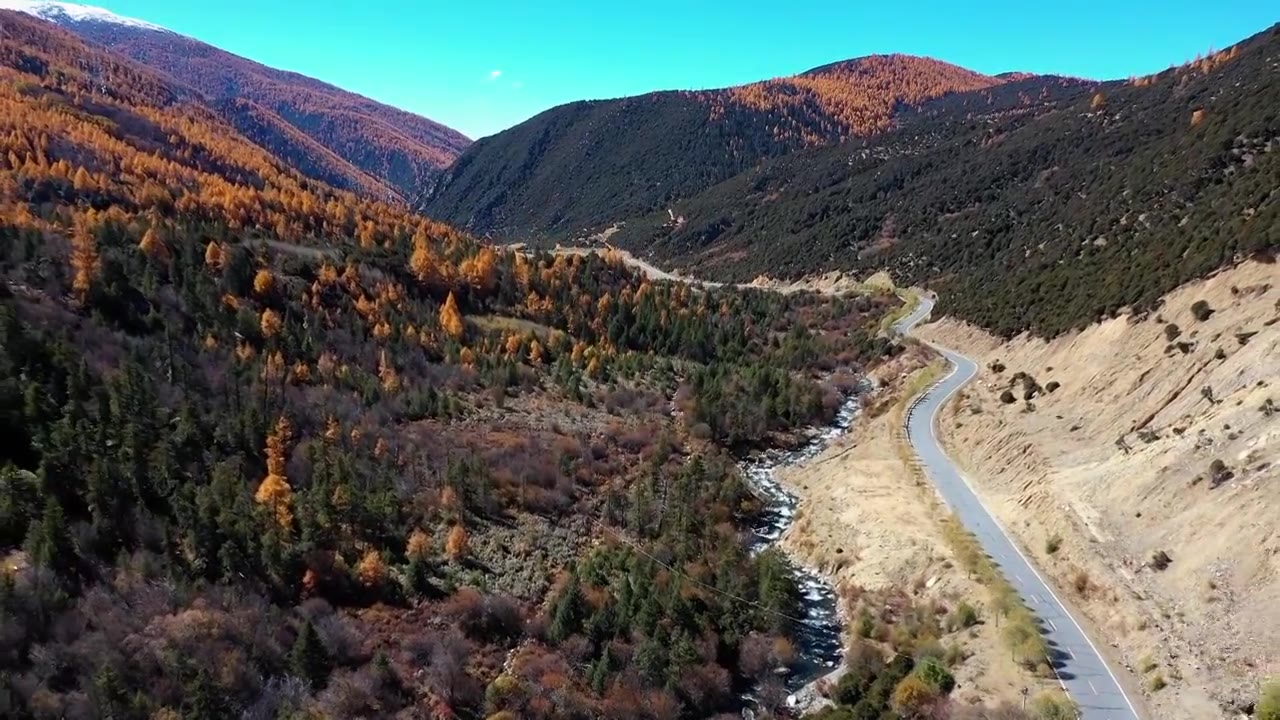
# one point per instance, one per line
(274, 492)
(82, 182)
(152, 246)
(457, 543)
(271, 323)
(263, 282)
(481, 270)
(84, 260)
(387, 374)
(371, 570)
(419, 545)
(423, 262)
(451, 318)
(214, 255)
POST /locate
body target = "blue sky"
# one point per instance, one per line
(483, 66)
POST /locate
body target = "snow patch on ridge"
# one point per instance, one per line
(65, 13)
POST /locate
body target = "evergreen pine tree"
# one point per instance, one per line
(683, 654)
(309, 658)
(109, 695)
(19, 504)
(49, 542)
(651, 660)
(600, 670)
(202, 699)
(567, 610)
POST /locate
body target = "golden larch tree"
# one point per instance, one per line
(387, 374)
(424, 263)
(152, 246)
(83, 182)
(214, 255)
(273, 366)
(263, 282)
(371, 570)
(481, 270)
(513, 344)
(85, 262)
(300, 374)
(274, 492)
(451, 318)
(418, 546)
(271, 323)
(326, 364)
(457, 544)
(368, 235)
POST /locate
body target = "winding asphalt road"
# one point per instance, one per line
(1080, 668)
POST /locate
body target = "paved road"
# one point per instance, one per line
(1080, 667)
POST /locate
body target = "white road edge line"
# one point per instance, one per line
(933, 422)
(1001, 527)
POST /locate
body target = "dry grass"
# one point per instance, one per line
(1021, 633)
(502, 323)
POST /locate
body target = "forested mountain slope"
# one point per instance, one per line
(580, 166)
(275, 450)
(1037, 205)
(344, 139)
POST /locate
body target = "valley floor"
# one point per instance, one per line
(867, 522)
(1145, 482)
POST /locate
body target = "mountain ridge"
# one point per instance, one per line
(1040, 204)
(579, 166)
(60, 13)
(398, 150)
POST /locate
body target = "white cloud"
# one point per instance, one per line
(494, 74)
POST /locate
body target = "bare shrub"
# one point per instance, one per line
(1219, 472)
(1160, 560)
(485, 617)
(1081, 582)
(443, 660)
(1201, 310)
(283, 696)
(342, 641)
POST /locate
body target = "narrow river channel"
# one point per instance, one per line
(819, 638)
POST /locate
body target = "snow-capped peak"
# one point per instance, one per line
(65, 13)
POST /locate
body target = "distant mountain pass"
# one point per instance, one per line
(579, 166)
